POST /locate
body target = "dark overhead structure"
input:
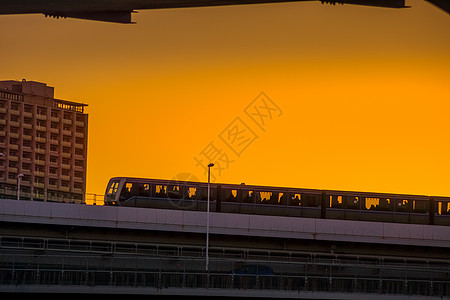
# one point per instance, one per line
(119, 11)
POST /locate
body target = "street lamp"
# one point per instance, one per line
(19, 181)
(1, 155)
(207, 215)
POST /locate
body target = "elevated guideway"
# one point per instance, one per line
(194, 222)
(57, 247)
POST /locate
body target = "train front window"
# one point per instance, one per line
(112, 188)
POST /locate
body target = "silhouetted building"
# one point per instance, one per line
(43, 138)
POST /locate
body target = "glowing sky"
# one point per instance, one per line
(364, 92)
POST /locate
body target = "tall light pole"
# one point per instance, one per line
(207, 215)
(1, 155)
(19, 181)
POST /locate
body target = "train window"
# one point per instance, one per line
(382, 204)
(268, 197)
(372, 203)
(385, 204)
(191, 193)
(311, 200)
(174, 192)
(263, 197)
(295, 200)
(275, 197)
(248, 196)
(229, 195)
(402, 205)
(126, 191)
(282, 198)
(203, 194)
(352, 202)
(160, 190)
(443, 208)
(336, 201)
(142, 190)
(420, 206)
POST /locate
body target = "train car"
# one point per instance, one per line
(278, 201)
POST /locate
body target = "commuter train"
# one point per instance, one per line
(278, 201)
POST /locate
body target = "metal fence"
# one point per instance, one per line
(168, 272)
(58, 262)
(160, 279)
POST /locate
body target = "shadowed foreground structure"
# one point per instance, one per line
(56, 247)
(120, 11)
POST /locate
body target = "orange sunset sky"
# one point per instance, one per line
(363, 93)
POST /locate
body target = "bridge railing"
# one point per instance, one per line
(24, 269)
(161, 280)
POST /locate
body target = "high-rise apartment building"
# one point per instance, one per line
(43, 144)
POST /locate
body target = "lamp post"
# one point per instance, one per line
(207, 215)
(1, 155)
(19, 181)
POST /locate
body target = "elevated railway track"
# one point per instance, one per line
(56, 247)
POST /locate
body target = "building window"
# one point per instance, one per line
(55, 113)
(41, 110)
